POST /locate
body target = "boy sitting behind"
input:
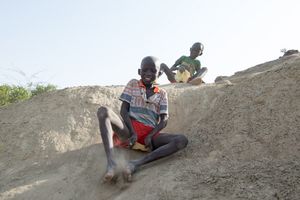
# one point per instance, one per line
(188, 67)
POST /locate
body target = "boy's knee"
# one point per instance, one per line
(102, 112)
(181, 141)
(162, 65)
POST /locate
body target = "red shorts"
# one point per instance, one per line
(141, 130)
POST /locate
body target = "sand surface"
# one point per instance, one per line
(244, 142)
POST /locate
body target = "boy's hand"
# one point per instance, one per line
(132, 140)
(148, 142)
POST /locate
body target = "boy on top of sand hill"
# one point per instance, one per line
(144, 113)
(188, 67)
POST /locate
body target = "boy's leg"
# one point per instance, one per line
(170, 75)
(197, 80)
(164, 145)
(110, 122)
(201, 72)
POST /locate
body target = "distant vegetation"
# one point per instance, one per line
(12, 93)
(25, 88)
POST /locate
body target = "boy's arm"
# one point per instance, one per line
(162, 124)
(177, 62)
(198, 71)
(195, 75)
(126, 118)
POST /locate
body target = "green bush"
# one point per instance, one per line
(18, 93)
(41, 89)
(4, 94)
(12, 94)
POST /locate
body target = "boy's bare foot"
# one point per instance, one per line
(128, 171)
(110, 175)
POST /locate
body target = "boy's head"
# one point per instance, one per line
(149, 70)
(196, 50)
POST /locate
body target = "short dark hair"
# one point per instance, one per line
(151, 60)
(198, 45)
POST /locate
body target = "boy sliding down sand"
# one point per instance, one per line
(188, 67)
(144, 113)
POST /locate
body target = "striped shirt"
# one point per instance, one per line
(145, 110)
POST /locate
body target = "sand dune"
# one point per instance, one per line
(244, 142)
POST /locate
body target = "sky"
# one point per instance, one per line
(95, 42)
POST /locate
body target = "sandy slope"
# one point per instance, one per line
(244, 142)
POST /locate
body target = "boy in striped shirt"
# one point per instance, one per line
(144, 113)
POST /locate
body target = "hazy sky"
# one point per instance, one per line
(97, 42)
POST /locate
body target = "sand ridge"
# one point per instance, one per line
(243, 141)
